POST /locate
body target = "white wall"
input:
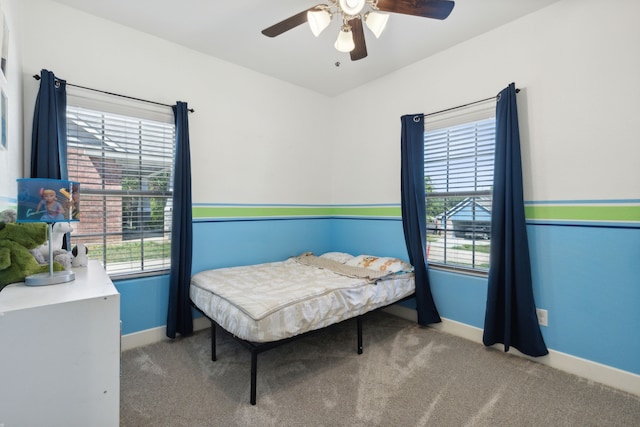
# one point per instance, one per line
(250, 140)
(578, 65)
(11, 158)
(575, 61)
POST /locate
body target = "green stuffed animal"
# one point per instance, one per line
(16, 262)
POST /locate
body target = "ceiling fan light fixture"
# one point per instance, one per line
(354, 14)
(376, 22)
(345, 43)
(318, 20)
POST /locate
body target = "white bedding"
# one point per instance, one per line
(273, 301)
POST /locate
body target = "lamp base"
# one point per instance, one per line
(42, 279)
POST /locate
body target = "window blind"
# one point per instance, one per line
(458, 170)
(459, 160)
(125, 166)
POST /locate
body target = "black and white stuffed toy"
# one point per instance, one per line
(80, 258)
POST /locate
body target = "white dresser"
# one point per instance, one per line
(60, 352)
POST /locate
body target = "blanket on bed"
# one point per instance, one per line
(368, 274)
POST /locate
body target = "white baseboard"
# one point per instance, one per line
(153, 335)
(603, 374)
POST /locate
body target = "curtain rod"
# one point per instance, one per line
(465, 105)
(191, 110)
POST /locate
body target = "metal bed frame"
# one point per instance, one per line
(257, 348)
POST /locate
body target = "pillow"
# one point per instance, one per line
(337, 256)
(394, 265)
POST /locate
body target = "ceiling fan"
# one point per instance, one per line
(352, 12)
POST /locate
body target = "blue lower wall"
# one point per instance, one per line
(588, 278)
(221, 244)
(227, 243)
(369, 236)
(459, 297)
(143, 303)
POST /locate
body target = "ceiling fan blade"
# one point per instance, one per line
(288, 24)
(436, 9)
(360, 51)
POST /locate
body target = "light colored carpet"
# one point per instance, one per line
(407, 376)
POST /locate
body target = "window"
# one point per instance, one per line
(458, 171)
(123, 158)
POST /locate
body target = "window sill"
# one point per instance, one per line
(137, 275)
(459, 270)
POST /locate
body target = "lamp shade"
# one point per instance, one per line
(318, 20)
(376, 22)
(345, 43)
(48, 200)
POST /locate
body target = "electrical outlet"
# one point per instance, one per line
(543, 317)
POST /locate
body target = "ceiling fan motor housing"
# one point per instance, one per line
(351, 7)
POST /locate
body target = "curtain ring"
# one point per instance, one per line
(57, 83)
(498, 97)
(416, 119)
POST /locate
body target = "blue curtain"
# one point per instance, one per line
(510, 317)
(414, 212)
(49, 136)
(179, 316)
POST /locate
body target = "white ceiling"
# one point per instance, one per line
(230, 30)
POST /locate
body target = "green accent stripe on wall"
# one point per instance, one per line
(257, 211)
(578, 212)
(375, 211)
(620, 213)
(289, 211)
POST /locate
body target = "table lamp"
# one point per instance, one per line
(49, 201)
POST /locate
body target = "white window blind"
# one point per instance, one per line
(458, 170)
(124, 163)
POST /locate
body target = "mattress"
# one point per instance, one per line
(272, 301)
